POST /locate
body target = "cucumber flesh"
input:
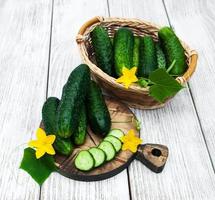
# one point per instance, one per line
(98, 155)
(109, 150)
(84, 161)
(115, 142)
(116, 133)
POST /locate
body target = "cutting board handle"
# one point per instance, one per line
(153, 156)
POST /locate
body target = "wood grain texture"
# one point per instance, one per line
(24, 33)
(194, 22)
(188, 173)
(68, 17)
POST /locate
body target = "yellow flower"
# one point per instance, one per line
(130, 141)
(43, 144)
(128, 77)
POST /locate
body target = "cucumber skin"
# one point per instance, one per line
(123, 50)
(160, 57)
(49, 112)
(148, 57)
(103, 48)
(173, 50)
(73, 96)
(136, 51)
(80, 134)
(97, 111)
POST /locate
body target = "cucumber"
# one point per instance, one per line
(173, 50)
(98, 155)
(148, 57)
(97, 111)
(123, 50)
(160, 57)
(84, 161)
(80, 134)
(49, 113)
(116, 133)
(73, 96)
(136, 51)
(103, 49)
(115, 142)
(109, 150)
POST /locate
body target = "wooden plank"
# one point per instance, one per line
(24, 33)
(68, 17)
(194, 22)
(188, 173)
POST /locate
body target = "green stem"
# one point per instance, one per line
(171, 66)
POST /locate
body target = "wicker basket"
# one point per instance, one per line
(135, 96)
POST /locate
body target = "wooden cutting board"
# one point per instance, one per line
(122, 118)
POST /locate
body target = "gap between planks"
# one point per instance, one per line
(191, 96)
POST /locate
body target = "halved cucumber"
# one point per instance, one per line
(109, 150)
(98, 155)
(115, 142)
(116, 133)
(84, 161)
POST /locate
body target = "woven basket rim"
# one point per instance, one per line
(88, 26)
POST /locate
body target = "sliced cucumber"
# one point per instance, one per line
(116, 133)
(115, 142)
(84, 161)
(109, 150)
(98, 155)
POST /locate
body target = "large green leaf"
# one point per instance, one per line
(164, 86)
(38, 169)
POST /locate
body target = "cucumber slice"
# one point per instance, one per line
(84, 161)
(115, 142)
(109, 150)
(98, 155)
(116, 133)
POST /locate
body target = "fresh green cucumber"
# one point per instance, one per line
(136, 51)
(98, 155)
(115, 142)
(49, 113)
(73, 96)
(97, 111)
(160, 57)
(123, 50)
(173, 50)
(148, 57)
(116, 133)
(84, 161)
(109, 150)
(103, 49)
(80, 134)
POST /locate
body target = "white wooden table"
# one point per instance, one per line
(37, 53)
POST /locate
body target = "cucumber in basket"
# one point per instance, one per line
(173, 50)
(123, 49)
(103, 49)
(117, 144)
(98, 155)
(84, 161)
(148, 57)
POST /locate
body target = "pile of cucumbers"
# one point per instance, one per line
(81, 104)
(96, 156)
(145, 53)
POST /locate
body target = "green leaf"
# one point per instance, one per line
(164, 85)
(38, 169)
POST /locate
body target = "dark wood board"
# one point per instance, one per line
(121, 118)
